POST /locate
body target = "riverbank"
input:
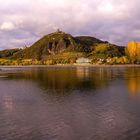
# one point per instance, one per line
(66, 65)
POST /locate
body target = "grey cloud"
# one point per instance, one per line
(111, 20)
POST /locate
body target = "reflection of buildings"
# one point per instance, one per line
(82, 72)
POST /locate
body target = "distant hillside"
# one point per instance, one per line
(87, 40)
(54, 44)
(8, 53)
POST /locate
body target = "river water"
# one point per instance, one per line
(70, 103)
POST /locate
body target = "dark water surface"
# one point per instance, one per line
(77, 103)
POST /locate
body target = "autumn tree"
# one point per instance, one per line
(133, 51)
(107, 49)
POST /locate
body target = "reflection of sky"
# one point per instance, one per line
(33, 112)
(7, 103)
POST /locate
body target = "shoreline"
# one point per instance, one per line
(69, 65)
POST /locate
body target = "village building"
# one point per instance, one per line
(83, 60)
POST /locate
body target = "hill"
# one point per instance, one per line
(59, 43)
(8, 53)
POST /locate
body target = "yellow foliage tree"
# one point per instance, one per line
(133, 51)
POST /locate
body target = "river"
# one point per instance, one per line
(70, 103)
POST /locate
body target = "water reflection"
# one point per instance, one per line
(133, 81)
(8, 103)
(70, 104)
(64, 80)
(82, 73)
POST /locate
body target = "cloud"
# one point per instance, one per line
(23, 22)
(7, 26)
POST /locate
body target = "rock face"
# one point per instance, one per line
(55, 43)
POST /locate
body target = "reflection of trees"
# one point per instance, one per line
(133, 80)
(60, 80)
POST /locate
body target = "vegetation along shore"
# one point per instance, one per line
(60, 48)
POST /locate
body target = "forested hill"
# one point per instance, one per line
(59, 42)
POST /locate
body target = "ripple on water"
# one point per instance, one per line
(70, 104)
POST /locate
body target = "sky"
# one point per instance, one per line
(22, 22)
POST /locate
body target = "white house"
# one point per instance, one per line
(83, 60)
